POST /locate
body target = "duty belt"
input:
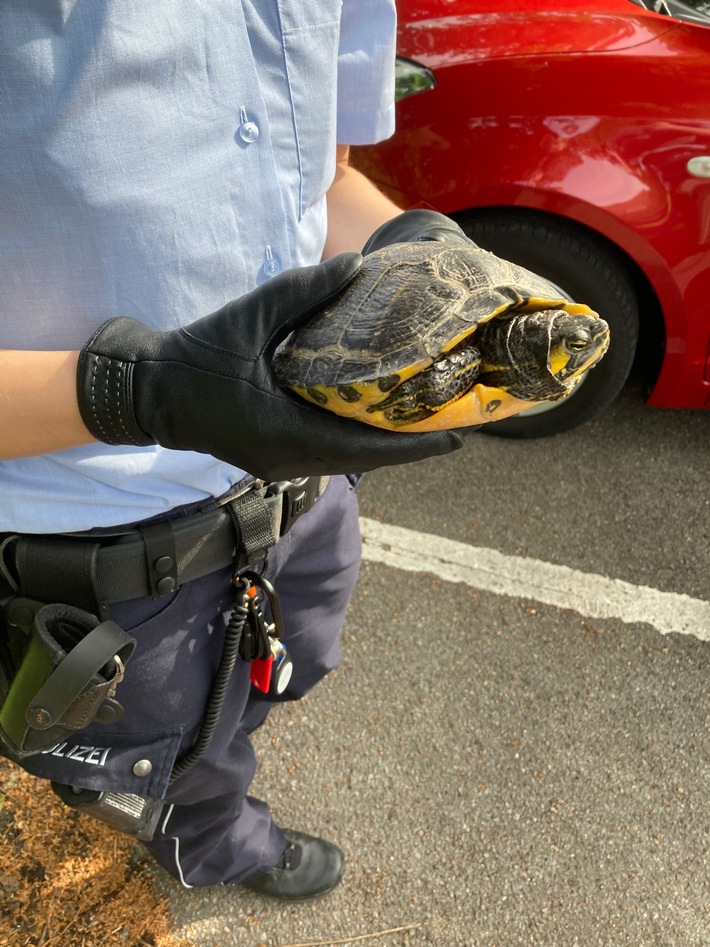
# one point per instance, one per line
(151, 559)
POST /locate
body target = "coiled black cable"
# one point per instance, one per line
(210, 719)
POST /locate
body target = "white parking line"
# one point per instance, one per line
(592, 595)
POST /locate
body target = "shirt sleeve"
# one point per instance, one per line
(368, 35)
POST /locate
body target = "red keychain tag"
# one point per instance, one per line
(260, 673)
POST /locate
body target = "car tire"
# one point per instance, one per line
(590, 272)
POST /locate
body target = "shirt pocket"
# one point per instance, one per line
(311, 36)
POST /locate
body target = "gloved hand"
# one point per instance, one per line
(414, 225)
(209, 387)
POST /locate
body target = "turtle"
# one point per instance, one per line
(435, 335)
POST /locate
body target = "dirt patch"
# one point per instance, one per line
(69, 881)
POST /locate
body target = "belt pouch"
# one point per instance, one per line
(66, 679)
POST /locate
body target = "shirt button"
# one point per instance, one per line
(249, 132)
(272, 267)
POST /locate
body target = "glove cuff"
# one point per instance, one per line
(413, 226)
(105, 394)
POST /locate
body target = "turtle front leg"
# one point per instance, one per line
(432, 389)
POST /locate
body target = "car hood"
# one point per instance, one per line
(446, 32)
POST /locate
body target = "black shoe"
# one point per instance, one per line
(308, 868)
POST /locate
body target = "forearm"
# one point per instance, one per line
(356, 208)
(38, 403)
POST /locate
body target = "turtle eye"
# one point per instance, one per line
(577, 343)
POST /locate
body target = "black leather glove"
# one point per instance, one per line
(414, 225)
(209, 387)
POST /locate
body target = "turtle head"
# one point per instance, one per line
(577, 342)
(542, 355)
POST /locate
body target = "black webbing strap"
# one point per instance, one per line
(160, 558)
(255, 517)
(154, 559)
(71, 577)
(203, 543)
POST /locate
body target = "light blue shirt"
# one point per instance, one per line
(158, 159)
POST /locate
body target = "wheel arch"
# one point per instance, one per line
(652, 332)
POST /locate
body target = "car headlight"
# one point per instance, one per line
(410, 78)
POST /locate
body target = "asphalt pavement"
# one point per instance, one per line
(500, 772)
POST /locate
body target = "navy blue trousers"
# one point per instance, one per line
(212, 831)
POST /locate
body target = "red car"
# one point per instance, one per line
(574, 139)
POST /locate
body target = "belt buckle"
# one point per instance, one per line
(297, 497)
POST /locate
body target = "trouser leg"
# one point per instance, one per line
(215, 832)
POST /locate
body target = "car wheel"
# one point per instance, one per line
(588, 271)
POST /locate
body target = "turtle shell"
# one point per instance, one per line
(410, 303)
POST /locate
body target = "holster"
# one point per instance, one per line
(59, 678)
